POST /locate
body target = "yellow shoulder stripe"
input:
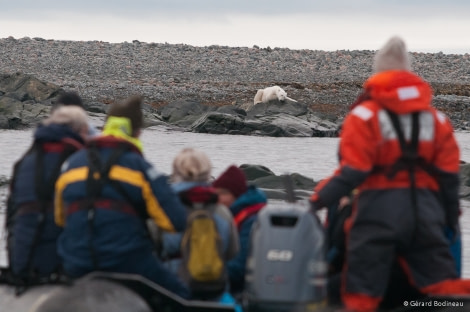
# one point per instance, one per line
(71, 176)
(137, 178)
(118, 173)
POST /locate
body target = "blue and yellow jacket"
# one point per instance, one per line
(118, 232)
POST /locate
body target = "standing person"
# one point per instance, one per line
(244, 203)
(402, 156)
(32, 233)
(190, 177)
(103, 198)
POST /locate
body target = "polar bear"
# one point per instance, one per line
(271, 93)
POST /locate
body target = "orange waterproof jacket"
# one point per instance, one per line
(369, 141)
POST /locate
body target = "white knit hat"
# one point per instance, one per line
(392, 56)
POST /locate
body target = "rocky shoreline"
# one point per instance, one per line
(325, 82)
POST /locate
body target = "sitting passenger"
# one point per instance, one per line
(103, 198)
(207, 221)
(32, 233)
(244, 203)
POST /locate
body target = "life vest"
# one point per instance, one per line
(410, 159)
(246, 213)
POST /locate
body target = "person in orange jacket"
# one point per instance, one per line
(401, 155)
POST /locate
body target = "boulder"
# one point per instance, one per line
(25, 87)
(279, 125)
(231, 109)
(183, 112)
(464, 180)
(96, 107)
(273, 185)
(277, 107)
(24, 100)
(16, 114)
(4, 180)
(254, 172)
(220, 123)
(275, 118)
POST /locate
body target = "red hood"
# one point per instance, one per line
(401, 92)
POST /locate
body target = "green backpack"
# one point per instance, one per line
(203, 264)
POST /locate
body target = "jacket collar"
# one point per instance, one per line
(56, 133)
(251, 197)
(120, 127)
(112, 142)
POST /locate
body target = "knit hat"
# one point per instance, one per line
(132, 109)
(392, 56)
(233, 180)
(70, 98)
(191, 165)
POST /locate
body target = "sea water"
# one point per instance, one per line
(312, 157)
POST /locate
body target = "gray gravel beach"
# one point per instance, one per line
(219, 75)
(328, 82)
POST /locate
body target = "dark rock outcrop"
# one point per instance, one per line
(277, 107)
(273, 185)
(183, 113)
(276, 119)
(465, 181)
(23, 88)
(232, 110)
(24, 100)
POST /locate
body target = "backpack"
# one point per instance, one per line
(44, 189)
(203, 264)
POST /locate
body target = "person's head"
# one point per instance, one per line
(68, 99)
(392, 56)
(131, 109)
(72, 116)
(230, 185)
(191, 165)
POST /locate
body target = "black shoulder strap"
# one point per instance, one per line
(98, 177)
(98, 174)
(411, 147)
(410, 157)
(44, 192)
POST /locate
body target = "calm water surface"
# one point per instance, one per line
(312, 157)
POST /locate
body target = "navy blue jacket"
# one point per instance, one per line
(24, 209)
(252, 198)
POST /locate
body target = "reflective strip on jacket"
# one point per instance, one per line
(368, 140)
(116, 232)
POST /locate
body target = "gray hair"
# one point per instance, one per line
(191, 165)
(73, 116)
